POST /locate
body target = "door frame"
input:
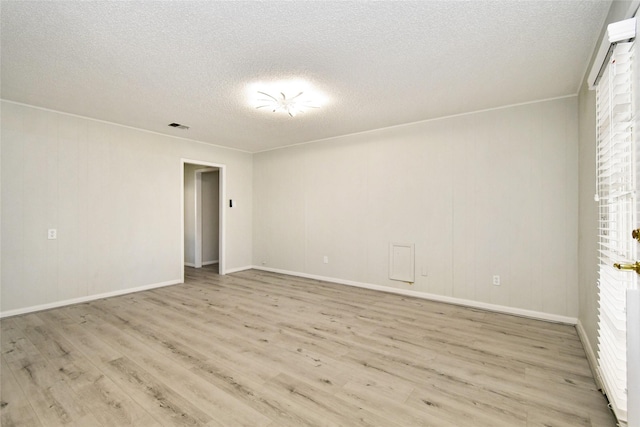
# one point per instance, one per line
(222, 220)
(198, 213)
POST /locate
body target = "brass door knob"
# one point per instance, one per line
(635, 266)
(636, 234)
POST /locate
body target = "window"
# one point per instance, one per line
(616, 185)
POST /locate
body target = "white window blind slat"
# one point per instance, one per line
(615, 163)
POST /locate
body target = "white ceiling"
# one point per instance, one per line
(147, 63)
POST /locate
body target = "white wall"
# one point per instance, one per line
(481, 194)
(113, 193)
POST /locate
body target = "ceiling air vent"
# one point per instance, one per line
(178, 126)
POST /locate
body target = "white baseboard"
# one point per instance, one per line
(190, 264)
(86, 299)
(238, 269)
(549, 317)
(590, 352)
(433, 297)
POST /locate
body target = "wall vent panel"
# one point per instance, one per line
(401, 262)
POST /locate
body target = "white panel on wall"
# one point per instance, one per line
(113, 194)
(281, 220)
(335, 198)
(401, 262)
(479, 195)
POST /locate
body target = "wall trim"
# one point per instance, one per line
(239, 269)
(197, 179)
(538, 315)
(468, 113)
(190, 264)
(222, 194)
(80, 300)
(93, 119)
(433, 297)
(590, 352)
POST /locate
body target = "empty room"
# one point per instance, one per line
(327, 213)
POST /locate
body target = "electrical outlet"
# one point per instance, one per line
(52, 234)
(496, 280)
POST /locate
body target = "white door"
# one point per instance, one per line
(618, 216)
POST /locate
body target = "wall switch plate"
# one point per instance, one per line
(325, 259)
(496, 280)
(52, 234)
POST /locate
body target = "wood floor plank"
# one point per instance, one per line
(263, 349)
(108, 403)
(370, 397)
(324, 406)
(15, 346)
(162, 402)
(92, 346)
(222, 408)
(15, 409)
(278, 409)
(468, 405)
(52, 400)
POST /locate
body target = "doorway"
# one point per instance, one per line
(207, 216)
(203, 222)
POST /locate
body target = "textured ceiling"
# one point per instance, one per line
(147, 64)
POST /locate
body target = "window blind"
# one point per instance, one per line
(616, 182)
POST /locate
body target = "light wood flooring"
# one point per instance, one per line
(262, 349)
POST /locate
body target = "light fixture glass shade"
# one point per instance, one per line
(291, 105)
(290, 97)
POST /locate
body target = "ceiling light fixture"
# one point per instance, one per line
(285, 96)
(292, 105)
